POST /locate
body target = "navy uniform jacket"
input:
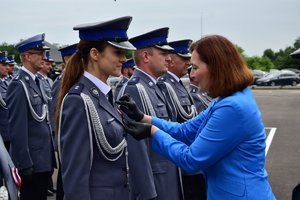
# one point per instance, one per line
(181, 92)
(103, 179)
(3, 111)
(119, 86)
(152, 175)
(31, 141)
(201, 100)
(6, 167)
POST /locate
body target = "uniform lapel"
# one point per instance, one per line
(31, 82)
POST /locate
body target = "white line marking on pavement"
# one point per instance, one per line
(269, 138)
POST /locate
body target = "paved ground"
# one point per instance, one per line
(280, 109)
(281, 114)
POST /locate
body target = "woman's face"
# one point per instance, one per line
(110, 61)
(199, 72)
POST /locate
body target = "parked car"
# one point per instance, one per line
(297, 71)
(257, 74)
(283, 77)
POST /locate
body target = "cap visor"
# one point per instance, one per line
(185, 55)
(122, 45)
(164, 47)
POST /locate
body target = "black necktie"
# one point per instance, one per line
(110, 97)
(181, 83)
(37, 82)
(47, 82)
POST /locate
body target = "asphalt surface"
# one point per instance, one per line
(280, 110)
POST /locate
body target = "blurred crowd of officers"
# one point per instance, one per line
(27, 124)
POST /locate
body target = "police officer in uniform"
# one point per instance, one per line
(127, 71)
(3, 107)
(31, 148)
(92, 143)
(11, 67)
(153, 177)
(177, 95)
(201, 99)
(45, 81)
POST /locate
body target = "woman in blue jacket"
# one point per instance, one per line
(227, 140)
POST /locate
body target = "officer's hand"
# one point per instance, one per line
(137, 130)
(26, 171)
(128, 106)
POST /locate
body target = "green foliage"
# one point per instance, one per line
(261, 63)
(10, 50)
(269, 53)
(129, 54)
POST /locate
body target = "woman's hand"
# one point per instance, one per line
(138, 130)
(129, 107)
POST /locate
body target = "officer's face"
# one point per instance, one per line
(179, 65)
(110, 61)
(158, 61)
(46, 67)
(199, 72)
(11, 69)
(3, 69)
(35, 58)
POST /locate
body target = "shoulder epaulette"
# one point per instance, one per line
(194, 90)
(133, 81)
(161, 78)
(76, 89)
(16, 78)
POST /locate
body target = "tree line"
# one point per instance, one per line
(269, 60)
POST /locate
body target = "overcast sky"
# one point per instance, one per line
(254, 25)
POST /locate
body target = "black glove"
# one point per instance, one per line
(128, 106)
(137, 130)
(26, 171)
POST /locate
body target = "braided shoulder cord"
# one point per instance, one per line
(177, 104)
(147, 105)
(2, 102)
(203, 101)
(33, 113)
(101, 140)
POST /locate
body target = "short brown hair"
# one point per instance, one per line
(228, 72)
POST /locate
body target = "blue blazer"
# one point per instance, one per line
(226, 142)
(85, 173)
